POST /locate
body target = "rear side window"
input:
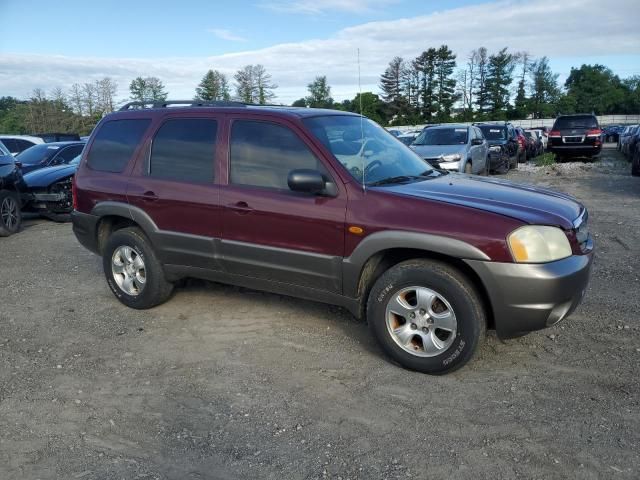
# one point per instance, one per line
(263, 154)
(114, 144)
(23, 144)
(69, 153)
(184, 150)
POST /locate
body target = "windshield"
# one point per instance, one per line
(585, 121)
(37, 153)
(493, 133)
(442, 136)
(360, 144)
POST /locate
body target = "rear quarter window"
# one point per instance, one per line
(115, 143)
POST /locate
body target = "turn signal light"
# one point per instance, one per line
(596, 132)
(356, 230)
(554, 134)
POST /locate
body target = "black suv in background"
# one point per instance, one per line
(575, 136)
(503, 144)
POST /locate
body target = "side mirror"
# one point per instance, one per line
(477, 141)
(307, 181)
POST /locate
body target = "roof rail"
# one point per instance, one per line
(186, 103)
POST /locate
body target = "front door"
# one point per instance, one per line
(269, 231)
(175, 185)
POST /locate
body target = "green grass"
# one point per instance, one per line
(545, 159)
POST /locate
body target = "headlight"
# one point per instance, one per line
(451, 158)
(538, 244)
(495, 148)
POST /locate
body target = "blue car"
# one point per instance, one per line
(48, 190)
(48, 155)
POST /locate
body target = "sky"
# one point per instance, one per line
(48, 44)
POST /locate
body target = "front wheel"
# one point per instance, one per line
(134, 274)
(426, 315)
(10, 214)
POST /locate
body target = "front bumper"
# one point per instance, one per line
(528, 297)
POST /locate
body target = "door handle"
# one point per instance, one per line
(241, 208)
(149, 196)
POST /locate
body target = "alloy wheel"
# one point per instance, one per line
(128, 270)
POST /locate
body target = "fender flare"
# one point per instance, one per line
(393, 239)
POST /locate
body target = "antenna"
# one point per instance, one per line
(361, 123)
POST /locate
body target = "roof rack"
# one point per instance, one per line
(186, 103)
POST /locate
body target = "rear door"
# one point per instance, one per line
(269, 231)
(174, 184)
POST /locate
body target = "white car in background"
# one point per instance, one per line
(542, 135)
(18, 143)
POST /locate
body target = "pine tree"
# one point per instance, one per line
(254, 85)
(520, 102)
(393, 83)
(445, 84)
(482, 62)
(147, 88)
(424, 65)
(264, 86)
(499, 77)
(213, 87)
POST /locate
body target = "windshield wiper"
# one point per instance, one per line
(398, 179)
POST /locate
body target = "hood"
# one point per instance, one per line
(434, 151)
(44, 177)
(526, 203)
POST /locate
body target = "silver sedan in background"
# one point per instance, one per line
(460, 148)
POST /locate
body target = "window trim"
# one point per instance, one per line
(146, 168)
(295, 131)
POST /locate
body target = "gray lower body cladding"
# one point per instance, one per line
(528, 297)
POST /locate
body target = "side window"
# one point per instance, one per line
(114, 144)
(68, 154)
(262, 154)
(11, 145)
(23, 144)
(184, 150)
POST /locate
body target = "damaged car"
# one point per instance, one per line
(47, 191)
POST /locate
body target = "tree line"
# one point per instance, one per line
(430, 88)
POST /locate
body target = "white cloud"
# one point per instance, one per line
(226, 35)
(545, 27)
(315, 7)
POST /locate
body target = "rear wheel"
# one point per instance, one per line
(10, 214)
(133, 272)
(426, 315)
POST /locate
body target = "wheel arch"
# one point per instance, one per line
(117, 215)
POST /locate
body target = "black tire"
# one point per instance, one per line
(10, 213)
(468, 167)
(635, 166)
(449, 284)
(487, 167)
(156, 288)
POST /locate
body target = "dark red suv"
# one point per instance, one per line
(328, 206)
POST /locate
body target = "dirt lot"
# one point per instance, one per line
(227, 383)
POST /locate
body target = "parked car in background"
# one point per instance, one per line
(58, 137)
(575, 136)
(611, 133)
(628, 140)
(326, 205)
(542, 135)
(632, 143)
(460, 148)
(407, 138)
(10, 195)
(522, 145)
(19, 143)
(49, 154)
(534, 143)
(503, 145)
(626, 131)
(48, 191)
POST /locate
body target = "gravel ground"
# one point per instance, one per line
(224, 383)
